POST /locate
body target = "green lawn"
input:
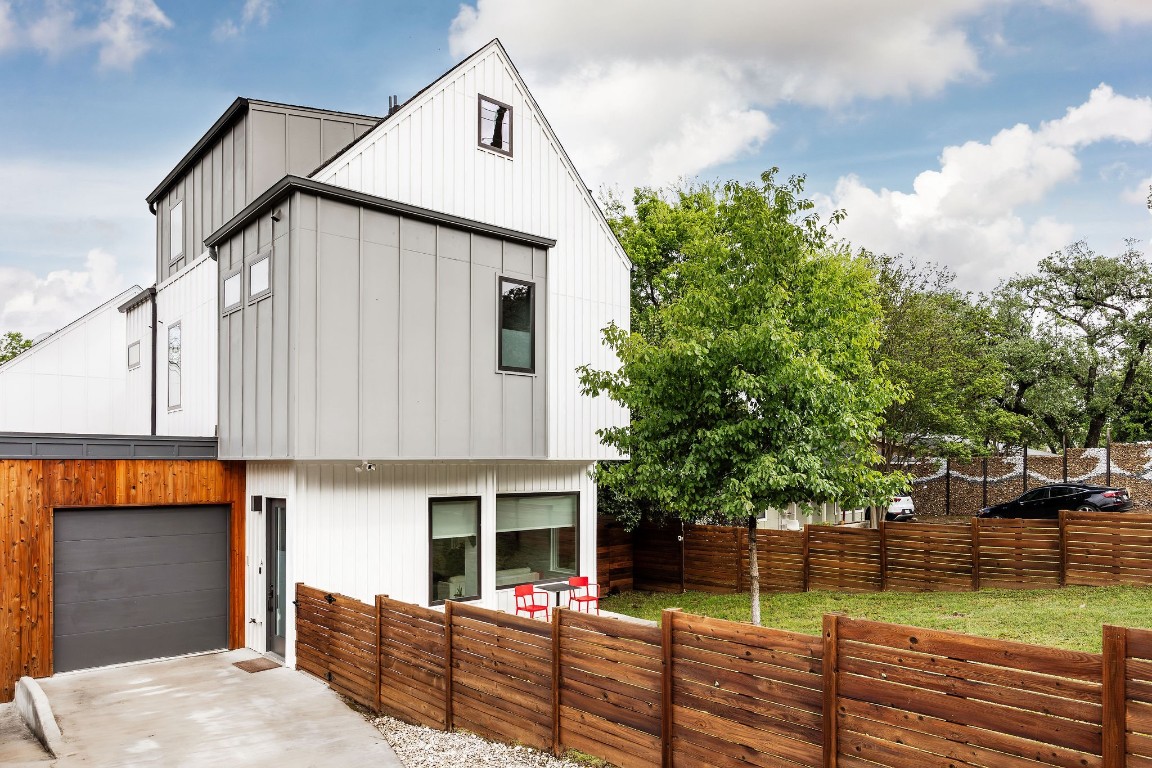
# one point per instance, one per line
(1064, 618)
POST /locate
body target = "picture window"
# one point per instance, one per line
(495, 120)
(454, 549)
(536, 538)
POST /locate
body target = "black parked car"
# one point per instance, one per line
(1047, 501)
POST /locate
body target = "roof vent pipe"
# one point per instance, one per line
(393, 104)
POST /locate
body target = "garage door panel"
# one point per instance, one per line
(129, 612)
(140, 581)
(95, 554)
(118, 522)
(99, 649)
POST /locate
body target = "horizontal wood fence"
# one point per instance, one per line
(705, 692)
(1087, 548)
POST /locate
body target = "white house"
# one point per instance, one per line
(383, 318)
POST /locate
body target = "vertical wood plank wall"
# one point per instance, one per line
(30, 490)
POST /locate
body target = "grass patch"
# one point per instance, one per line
(1068, 618)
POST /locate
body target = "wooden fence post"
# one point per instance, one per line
(667, 619)
(448, 665)
(1114, 695)
(1063, 547)
(805, 566)
(556, 746)
(975, 528)
(883, 555)
(682, 557)
(831, 693)
(379, 622)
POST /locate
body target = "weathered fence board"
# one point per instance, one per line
(412, 669)
(844, 559)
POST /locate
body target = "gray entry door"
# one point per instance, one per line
(275, 567)
(138, 583)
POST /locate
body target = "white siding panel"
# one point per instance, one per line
(190, 299)
(73, 381)
(427, 155)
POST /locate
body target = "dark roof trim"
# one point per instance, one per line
(238, 107)
(138, 299)
(298, 184)
(32, 445)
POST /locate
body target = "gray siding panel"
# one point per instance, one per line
(417, 351)
(387, 329)
(303, 144)
(337, 135)
(380, 340)
(453, 359)
(268, 148)
(337, 344)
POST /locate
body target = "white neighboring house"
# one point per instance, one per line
(73, 380)
(383, 318)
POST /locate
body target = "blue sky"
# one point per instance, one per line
(982, 134)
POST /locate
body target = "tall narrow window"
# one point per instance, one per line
(176, 228)
(536, 538)
(517, 326)
(454, 549)
(134, 355)
(495, 125)
(175, 357)
(231, 292)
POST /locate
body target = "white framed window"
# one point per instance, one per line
(175, 363)
(233, 292)
(494, 121)
(260, 277)
(176, 229)
(134, 355)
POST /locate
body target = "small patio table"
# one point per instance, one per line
(562, 586)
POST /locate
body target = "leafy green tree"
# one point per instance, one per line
(1086, 320)
(750, 373)
(939, 350)
(12, 343)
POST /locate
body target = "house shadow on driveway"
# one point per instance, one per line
(203, 711)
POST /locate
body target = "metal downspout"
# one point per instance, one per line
(155, 368)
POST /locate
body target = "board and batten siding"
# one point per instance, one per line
(366, 533)
(138, 384)
(379, 341)
(189, 298)
(74, 380)
(255, 150)
(427, 155)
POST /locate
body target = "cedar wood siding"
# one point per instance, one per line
(35, 488)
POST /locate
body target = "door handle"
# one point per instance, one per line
(271, 597)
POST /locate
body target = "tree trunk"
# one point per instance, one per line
(753, 570)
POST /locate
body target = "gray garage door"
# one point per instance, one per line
(139, 583)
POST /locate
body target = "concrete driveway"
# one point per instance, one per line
(203, 711)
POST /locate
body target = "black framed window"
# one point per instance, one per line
(175, 365)
(495, 125)
(537, 537)
(454, 549)
(517, 325)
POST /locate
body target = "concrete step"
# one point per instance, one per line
(18, 747)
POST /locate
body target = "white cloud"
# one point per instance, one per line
(33, 304)
(644, 94)
(1113, 14)
(254, 12)
(968, 213)
(123, 32)
(53, 217)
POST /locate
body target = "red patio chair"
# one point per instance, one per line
(586, 601)
(526, 601)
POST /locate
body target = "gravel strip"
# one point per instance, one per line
(420, 747)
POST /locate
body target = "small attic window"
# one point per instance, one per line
(495, 125)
